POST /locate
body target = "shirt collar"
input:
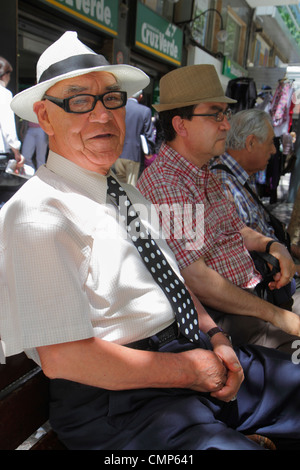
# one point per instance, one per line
(173, 160)
(241, 175)
(92, 183)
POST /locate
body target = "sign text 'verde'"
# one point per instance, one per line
(94, 8)
(158, 41)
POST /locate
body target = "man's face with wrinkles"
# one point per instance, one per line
(93, 140)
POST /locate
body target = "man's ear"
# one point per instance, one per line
(42, 114)
(179, 125)
(250, 142)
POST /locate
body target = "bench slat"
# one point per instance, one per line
(15, 367)
(23, 410)
(49, 442)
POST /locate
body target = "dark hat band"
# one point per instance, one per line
(83, 61)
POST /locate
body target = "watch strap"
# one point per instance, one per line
(268, 245)
(214, 331)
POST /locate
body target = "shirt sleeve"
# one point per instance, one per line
(43, 297)
(8, 124)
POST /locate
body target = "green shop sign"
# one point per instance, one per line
(233, 70)
(102, 14)
(157, 36)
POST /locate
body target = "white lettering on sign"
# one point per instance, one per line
(93, 8)
(159, 41)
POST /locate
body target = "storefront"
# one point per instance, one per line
(157, 46)
(125, 32)
(41, 22)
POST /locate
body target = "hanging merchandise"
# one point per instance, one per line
(291, 112)
(280, 107)
(243, 90)
(264, 98)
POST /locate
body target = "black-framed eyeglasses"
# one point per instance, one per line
(219, 116)
(85, 103)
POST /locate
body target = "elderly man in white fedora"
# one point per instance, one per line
(95, 297)
(194, 114)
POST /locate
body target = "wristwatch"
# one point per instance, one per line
(268, 245)
(213, 331)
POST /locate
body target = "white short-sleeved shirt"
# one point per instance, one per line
(68, 270)
(8, 133)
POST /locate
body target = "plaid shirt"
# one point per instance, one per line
(172, 180)
(233, 185)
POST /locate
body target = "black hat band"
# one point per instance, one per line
(83, 61)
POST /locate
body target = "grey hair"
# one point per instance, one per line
(247, 122)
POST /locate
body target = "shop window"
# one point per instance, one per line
(162, 7)
(236, 29)
(200, 27)
(235, 43)
(207, 22)
(232, 43)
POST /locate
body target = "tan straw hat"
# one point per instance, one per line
(66, 58)
(191, 85)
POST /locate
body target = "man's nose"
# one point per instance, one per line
(100, 113)
(225, 123)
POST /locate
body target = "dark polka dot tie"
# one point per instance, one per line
(154, 259)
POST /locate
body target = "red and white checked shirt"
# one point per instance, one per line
(171, 180)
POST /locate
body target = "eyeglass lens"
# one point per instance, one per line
(227, 114)
(86, 103)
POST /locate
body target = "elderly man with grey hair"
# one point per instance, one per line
(249, 146)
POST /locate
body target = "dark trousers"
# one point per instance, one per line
(268, 403)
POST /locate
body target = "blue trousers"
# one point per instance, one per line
(268, 403)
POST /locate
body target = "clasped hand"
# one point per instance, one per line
(218, 372)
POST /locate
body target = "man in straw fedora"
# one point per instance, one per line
(194, 114)
(85, 290)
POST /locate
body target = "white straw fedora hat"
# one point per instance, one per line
(66, 58)
(191, 85)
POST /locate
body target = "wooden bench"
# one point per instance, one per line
(24, 405)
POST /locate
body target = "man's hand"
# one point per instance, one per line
(19, 159)
(255, 241)
(217, 372)
(208, 371)
(235, 375)
(287, 266)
